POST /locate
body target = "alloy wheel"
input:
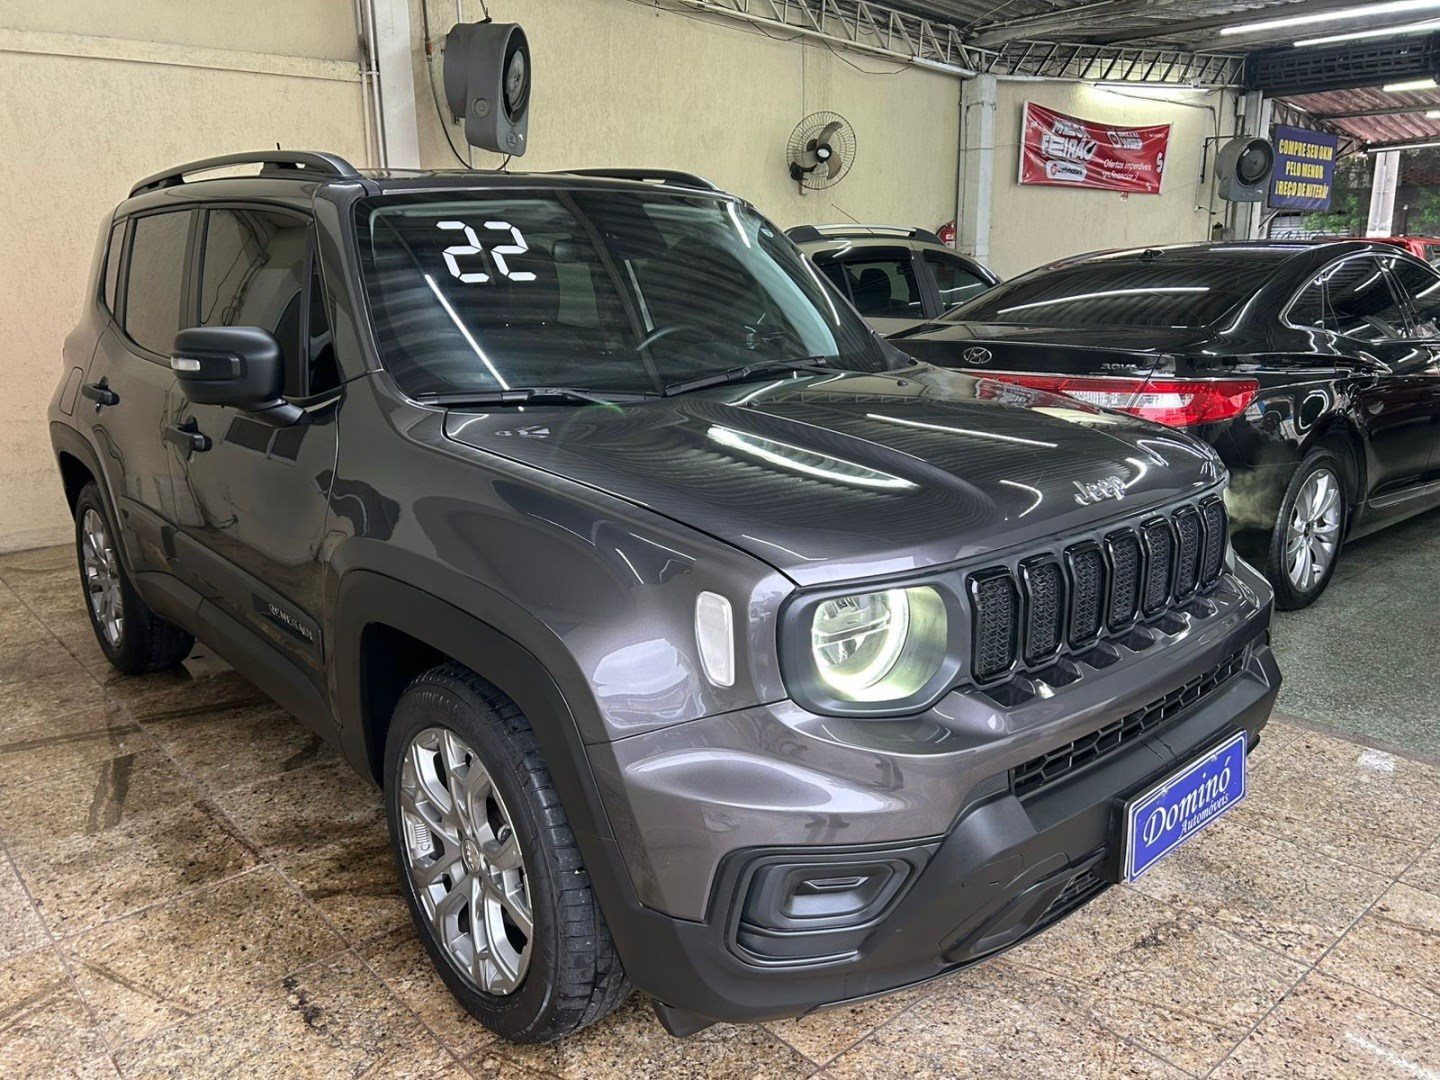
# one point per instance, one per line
(102, 576)
(1312, 534)
(465, 862)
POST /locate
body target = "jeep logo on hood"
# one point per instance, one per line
(1107, 487)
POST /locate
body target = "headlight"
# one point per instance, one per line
(879, 646)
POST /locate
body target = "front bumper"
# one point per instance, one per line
(982, 865)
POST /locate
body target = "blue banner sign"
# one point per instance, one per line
(1304, 169)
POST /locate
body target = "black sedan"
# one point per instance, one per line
(1314, 371)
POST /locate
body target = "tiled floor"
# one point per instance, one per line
(191, 885)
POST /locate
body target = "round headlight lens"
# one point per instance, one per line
(879, 646)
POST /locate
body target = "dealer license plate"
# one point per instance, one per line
(1182, 804)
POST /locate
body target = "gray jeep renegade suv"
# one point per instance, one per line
(698, 639)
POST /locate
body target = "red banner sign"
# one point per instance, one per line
(1064, 151)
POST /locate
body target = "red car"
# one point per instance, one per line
(1423, 247)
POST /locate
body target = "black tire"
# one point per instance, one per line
(146, 642)
(1288, 595)
(574, 976)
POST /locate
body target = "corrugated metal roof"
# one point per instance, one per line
(1381, 127)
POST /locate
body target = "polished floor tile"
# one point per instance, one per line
(45, 1027)
(630, 1045)
(231, 746)
(830, 1032)
(1172, 982)
(1394, 951)
(1356, 809)
(1000, 1019)
(1329, 1030)
(1264, 889)
(1358, 660)
(87, 879)
(353, 883)
(331, 1019)
(305, 809)
(176, 960)
(21, 928)
(192, 884)
(90, 798)
(1425, 873)
(401, 961)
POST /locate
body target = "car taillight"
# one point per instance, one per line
(1175, 402)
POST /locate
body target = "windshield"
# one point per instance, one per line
(625, 292)
(1191, 289)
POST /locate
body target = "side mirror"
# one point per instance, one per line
(240, 366)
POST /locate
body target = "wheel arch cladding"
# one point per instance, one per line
(388, 632)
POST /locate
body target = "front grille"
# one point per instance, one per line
(1063, 761)
(1027, 611)
(1159, 566)
(1043, 594)
(1124, 552)
(1187, 569)
(1216, 528)
(996, 620)
(1087, 592)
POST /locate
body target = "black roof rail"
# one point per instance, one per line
(664, 176)
(289, 164)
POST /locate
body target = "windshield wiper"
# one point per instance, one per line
(528, 395)
(817, 364)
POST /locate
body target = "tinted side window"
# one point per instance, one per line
(113, 251)
(1354, 298)
(253, 273)
(1421, 286)
(153, 286)
(884, 286)
(955, 281)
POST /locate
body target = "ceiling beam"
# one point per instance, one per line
(997, 33)
(1165, 31)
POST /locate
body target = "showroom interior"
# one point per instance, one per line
(936, 801)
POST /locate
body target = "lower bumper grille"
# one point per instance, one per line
(1042, 771)
(1083, 887)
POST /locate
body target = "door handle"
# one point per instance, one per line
(187, 436)
(101, 394)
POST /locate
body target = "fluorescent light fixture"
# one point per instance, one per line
(1381, 31)
(1359, 11)
(1153, 88)
(1427, 83)
(1402, 146)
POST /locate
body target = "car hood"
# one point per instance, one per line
(831, 477)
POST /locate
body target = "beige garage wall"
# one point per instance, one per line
(623, 83)
(82, 116)
(1031, 225)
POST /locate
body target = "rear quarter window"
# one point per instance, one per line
(113, 252)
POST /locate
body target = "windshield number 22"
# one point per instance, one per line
(455, 252)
